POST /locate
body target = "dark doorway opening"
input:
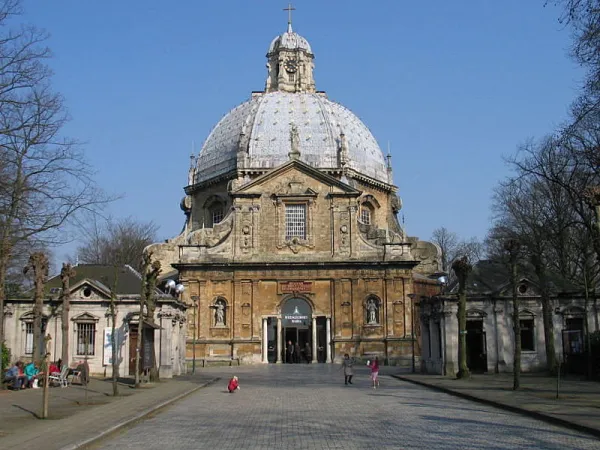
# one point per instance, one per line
(574, 351)
(133, 340)
(476, 346)
(296, 335)
(321, 339)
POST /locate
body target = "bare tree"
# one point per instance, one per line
(38, 264)
(151, 278)
(583, 19)
(45, 179)
(66, 273)
(512, 248)
(462, 268)
(116, 241)
(524, 211)
(448, 242)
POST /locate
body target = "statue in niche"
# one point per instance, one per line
(372, 312)
(220, 313)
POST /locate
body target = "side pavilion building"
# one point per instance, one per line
(291, 231)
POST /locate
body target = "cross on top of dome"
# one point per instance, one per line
(289, 9)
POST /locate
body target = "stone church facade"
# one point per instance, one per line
(291, 231)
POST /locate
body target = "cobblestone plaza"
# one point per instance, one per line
(309, 407)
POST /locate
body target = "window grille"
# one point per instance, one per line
(28, 338)
(365, 216)
(86, 338)
(292, 77)
(295, 221)
(217, 215)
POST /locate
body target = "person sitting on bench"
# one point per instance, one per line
(15, 376)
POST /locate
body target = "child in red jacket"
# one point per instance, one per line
(233, 385)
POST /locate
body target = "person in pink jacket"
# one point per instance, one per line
(374, 365)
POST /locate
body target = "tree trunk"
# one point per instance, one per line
(586, 330)
(113, 345)
(463, 369)
(516, 325)
(462, 268)
(151, 274)
(38, 306)
(65, 275)
(551, 363)
(3, 265)
(38, 263)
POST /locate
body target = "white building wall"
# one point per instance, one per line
(170, 337)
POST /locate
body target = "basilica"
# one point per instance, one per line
(291, 233)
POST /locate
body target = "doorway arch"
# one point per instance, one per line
(296, 330)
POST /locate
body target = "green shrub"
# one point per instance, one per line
(5, 356)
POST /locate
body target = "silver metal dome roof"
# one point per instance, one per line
(265, 123)
(289, 40)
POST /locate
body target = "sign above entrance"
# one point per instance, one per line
(296, 312)
(296, 286)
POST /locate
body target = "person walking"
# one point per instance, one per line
(289, 353)
(297, 356)
(347, 364)
(307, 353)
(374, 365)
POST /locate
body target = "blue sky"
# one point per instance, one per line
(454, 86)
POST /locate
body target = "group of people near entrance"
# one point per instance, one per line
(294, 354)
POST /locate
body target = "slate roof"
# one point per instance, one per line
(491, 277)
(128, 279)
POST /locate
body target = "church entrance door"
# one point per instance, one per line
(296, 321)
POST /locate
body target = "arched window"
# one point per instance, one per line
(372, 311)
(214, 210)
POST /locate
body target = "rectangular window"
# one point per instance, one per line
(28, 338)
(365, 216)
(527, 335)
(217, 216)
(86, 338)
(295, 221)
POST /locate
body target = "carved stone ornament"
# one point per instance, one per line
(9, 310)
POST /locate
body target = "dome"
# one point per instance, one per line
(289, 40)
(263, 124)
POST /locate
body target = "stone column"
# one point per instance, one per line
(265, 341)
(314, 340)
(279, 348)
(328, 338)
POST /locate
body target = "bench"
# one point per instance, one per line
(227, 359)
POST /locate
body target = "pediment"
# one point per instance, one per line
(525, 288)
(295, 178)
(87, 289)
(85, 317)
(29, 316)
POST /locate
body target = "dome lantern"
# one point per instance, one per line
(290, 62)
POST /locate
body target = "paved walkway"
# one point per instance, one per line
(76, 416)
(577, 406)
(309, 407)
